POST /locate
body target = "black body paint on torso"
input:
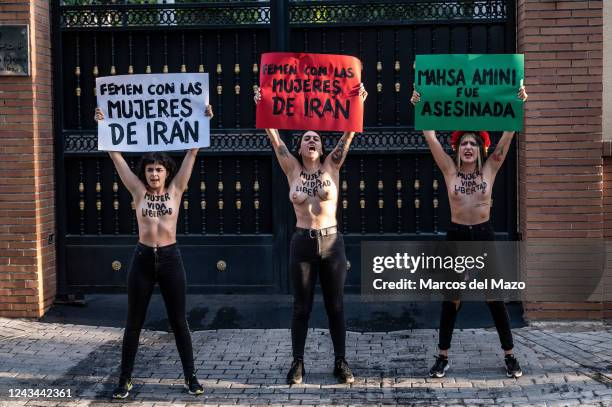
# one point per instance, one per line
(470, 184)
(311, 183)
(156, 205)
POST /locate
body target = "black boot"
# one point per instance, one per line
(296, 372)
(343, 372)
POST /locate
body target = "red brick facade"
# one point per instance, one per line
(560, 153)
(27, 219)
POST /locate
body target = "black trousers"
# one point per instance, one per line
(481, 232)
(325, 256)
(162, 265)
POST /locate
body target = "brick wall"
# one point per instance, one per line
(27, 259)
(560, 152)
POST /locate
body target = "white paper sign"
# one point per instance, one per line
(152, 112)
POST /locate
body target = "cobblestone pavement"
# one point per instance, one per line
(564, 364)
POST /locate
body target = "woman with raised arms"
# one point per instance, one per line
(470, 211)
(157, 191)
(313, 190)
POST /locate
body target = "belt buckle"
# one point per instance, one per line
(310, 233)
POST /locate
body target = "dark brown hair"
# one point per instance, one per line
(299, 144)
(160, 158)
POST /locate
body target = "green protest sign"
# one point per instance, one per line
(469, 92)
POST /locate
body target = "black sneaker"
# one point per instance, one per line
(123, 389)
(343, 372)
(439, 368)
(513, 369)
(193, 386)
(296, 372)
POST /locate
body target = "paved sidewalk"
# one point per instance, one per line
(564, 364)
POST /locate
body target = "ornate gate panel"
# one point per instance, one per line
(235, 217)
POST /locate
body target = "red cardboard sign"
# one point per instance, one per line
(310, 92)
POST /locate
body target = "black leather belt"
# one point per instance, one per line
(312, 233)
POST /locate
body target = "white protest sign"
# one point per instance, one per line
(153, 112)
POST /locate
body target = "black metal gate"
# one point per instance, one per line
(235, 218)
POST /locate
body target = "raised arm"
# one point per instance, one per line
(181, 180)
(496, 160)
(129, 179)
(285, 159)
(443, 160)
(338, 155)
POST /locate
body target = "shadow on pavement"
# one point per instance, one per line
(206, 312)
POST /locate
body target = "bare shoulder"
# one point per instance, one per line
(329, 168)
(451, 172)
(138, 193)
(174, 191)
(138, 189)
(488, 170)
(294, 173)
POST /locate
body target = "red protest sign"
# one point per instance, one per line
(310, 92)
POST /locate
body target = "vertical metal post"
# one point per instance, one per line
(279, 34)
(279, 25)
(512, 172)
(58, 147)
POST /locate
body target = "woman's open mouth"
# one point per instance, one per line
(312, 148)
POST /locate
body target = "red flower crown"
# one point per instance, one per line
(456, 135)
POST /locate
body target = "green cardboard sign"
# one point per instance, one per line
(469, 92)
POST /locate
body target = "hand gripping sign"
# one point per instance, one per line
(153, 112)
(469, 92)
(310, 92)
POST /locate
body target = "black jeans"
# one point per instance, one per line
(162, 265)
(324, 254)
(481, 232)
